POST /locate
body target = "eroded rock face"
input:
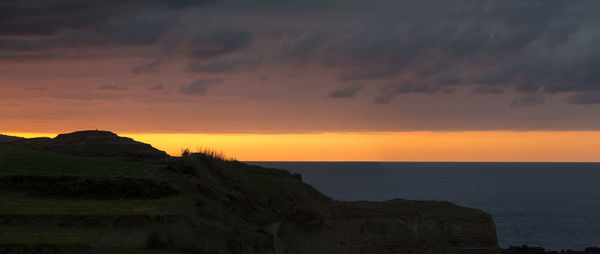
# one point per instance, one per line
(93, 143)
(396, 226)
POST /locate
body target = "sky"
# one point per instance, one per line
(282, 73)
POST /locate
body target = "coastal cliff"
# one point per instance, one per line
(395, 226)
(63, 195)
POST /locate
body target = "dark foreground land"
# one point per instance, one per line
(537, 250)
(95, 192)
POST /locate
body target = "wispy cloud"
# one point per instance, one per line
(345, 92)
(528, 100)
(199, 87)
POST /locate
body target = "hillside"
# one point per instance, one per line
(4, 138)
(95, 202)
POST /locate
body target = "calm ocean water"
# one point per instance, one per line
(551, 205)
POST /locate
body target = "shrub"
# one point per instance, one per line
(206, 154)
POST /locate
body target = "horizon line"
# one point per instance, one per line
(373, 161)
(440, 147)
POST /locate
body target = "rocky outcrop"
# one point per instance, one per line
(396, 226)
(93, 144)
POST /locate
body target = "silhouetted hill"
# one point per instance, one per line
(93, 144)
(4, 138)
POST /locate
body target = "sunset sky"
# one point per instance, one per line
(381, 80)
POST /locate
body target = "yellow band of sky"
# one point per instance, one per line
(498, 146)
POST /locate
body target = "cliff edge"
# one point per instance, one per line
(395, 226)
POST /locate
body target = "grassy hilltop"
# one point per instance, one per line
(95, 192)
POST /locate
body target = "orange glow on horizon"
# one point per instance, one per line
(497, 146)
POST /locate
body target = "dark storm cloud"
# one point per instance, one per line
(495, 45)
(585, 98)
(129, 31)
(345, 92)
(222, 65)
(487, 90)
(169, 3)
(219, 42)
(383, 98)
(525, 46)
(39, 17)
(28, 56)
(412, 87)
(389, 91)
(35, 27)
(528, 100)
(199, 87)
(148, 68)
(367, 73)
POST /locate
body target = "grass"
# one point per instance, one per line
(206, 154)
(228, 202)
(20, 204)
(224, 206)
(88, 187)
(37, 168)
(66, 235)
(130, 251)
(20, 161)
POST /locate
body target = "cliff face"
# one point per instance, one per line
(396, 226)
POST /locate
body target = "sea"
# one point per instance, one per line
(551, 205)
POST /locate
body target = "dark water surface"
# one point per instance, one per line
(551, 205)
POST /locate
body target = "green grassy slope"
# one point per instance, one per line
(226, 204)
(202, 203)
(27, 230)
(20, 161)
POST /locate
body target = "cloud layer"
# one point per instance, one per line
(539, 54)
(525, 46)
